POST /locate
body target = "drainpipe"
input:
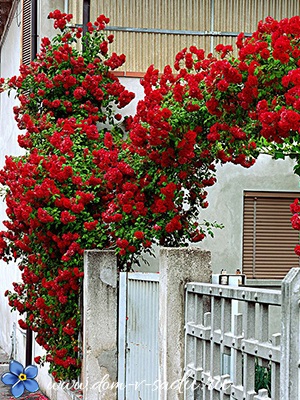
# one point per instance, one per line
(34, 36)
(66, 6)
(86, 14)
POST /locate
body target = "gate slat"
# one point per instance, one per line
(140, 299)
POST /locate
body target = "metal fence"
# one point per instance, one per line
(138, 332)
(229, 343)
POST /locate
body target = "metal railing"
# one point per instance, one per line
(228, 338)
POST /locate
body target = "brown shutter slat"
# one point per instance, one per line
(268, 237)
(26, 32)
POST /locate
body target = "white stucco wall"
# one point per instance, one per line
(10, 61)
(9, 66)
(226, 204)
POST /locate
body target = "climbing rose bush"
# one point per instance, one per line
(92, 179)
(56, 192)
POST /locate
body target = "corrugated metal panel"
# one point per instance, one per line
(26, 32)
(166, 14)
(268, 239)
(149, 46)
(141, 336)
(144, 49)
(76, 9)
(243, 15)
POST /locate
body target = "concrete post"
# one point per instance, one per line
(290, 334)
(177, 267)
(100, 308)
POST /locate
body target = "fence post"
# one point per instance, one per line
(100, 325)
(177, 267)
(290, 334)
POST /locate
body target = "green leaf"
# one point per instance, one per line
(279, 155)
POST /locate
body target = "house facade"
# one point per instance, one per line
(253, 204)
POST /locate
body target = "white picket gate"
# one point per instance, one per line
(138, 336)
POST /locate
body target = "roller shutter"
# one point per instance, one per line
(268, 237)
(26, 32)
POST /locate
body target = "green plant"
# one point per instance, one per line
(262, 377)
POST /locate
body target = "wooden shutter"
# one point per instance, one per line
(26, 32)
(268, 237)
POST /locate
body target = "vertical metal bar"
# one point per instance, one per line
(225, 315)
(237, 364)
(86, 14)
(28, 357)
(290, 337)
(207, 354)
(263, 323)
(212, 24)
(215, 366)
(190, 343)
(34, 34)
(225, 327)
(254, 237)
(66, 6)
(122, 335)
(275, 371)
(249, 360)
(198, 309)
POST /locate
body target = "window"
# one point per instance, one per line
(268, 237)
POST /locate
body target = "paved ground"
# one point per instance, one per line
(5, 393)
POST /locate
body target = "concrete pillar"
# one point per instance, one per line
(100, 308)
(290, 334)
(177, 267)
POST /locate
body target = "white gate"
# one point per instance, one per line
(264, 365)
(138, 336)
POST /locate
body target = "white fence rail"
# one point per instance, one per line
(224, 350)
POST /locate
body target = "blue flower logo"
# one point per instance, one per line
(20, 378)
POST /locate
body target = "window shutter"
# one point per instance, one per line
(26, 32)
(268, 237)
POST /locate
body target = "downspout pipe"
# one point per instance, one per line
(34, 37)
(86, 14)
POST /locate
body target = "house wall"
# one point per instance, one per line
(226, 204)
(10, 60)
(12, 338)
